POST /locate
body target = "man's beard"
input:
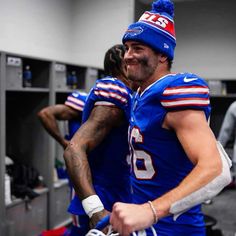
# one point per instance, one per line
(146, 70)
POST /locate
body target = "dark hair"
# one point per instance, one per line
(113, 60)
(170, 62)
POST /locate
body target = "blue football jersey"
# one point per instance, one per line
(75, 100)
(159, 162)
(108, 161)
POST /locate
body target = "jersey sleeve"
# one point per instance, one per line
(76, 101)
(110, 92)
(189, 92)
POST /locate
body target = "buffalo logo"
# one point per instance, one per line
(134, 31)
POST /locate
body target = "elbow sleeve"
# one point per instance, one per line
(208, 191)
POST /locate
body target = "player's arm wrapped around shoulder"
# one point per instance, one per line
(208, 191)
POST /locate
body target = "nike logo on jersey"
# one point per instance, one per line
(189, 79)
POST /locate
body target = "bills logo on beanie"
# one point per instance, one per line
(155, 28)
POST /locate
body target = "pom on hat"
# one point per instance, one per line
(163, 6)
(155, 28)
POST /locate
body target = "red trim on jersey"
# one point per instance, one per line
(184, 99)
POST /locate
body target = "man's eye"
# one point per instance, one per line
(138, 48)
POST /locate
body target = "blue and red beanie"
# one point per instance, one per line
(155, 28)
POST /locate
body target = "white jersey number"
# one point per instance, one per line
(145, 169)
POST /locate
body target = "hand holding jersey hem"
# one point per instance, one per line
(96, 217)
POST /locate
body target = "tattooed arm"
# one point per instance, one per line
(102, 119)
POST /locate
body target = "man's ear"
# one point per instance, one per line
(163, 58)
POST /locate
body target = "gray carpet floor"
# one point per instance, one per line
(223, 209)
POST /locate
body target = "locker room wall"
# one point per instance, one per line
(75, 31)
(97, 26)
(206, 38)
(79, 31)
(36, 28)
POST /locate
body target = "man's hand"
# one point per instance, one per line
(127, 218)
(65, 143)
(96, 217)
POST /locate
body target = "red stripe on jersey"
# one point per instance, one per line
(112, 95)
(187, 86)
(185, 102)
(75, 106)
(186, 90)
(185, 99)
(189, 104)
(111, 86)
(75, 100)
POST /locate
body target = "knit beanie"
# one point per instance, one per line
(155, 28)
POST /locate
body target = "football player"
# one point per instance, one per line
(96, 156)
(176, 160)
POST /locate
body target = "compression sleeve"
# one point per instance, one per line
(208, 191)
